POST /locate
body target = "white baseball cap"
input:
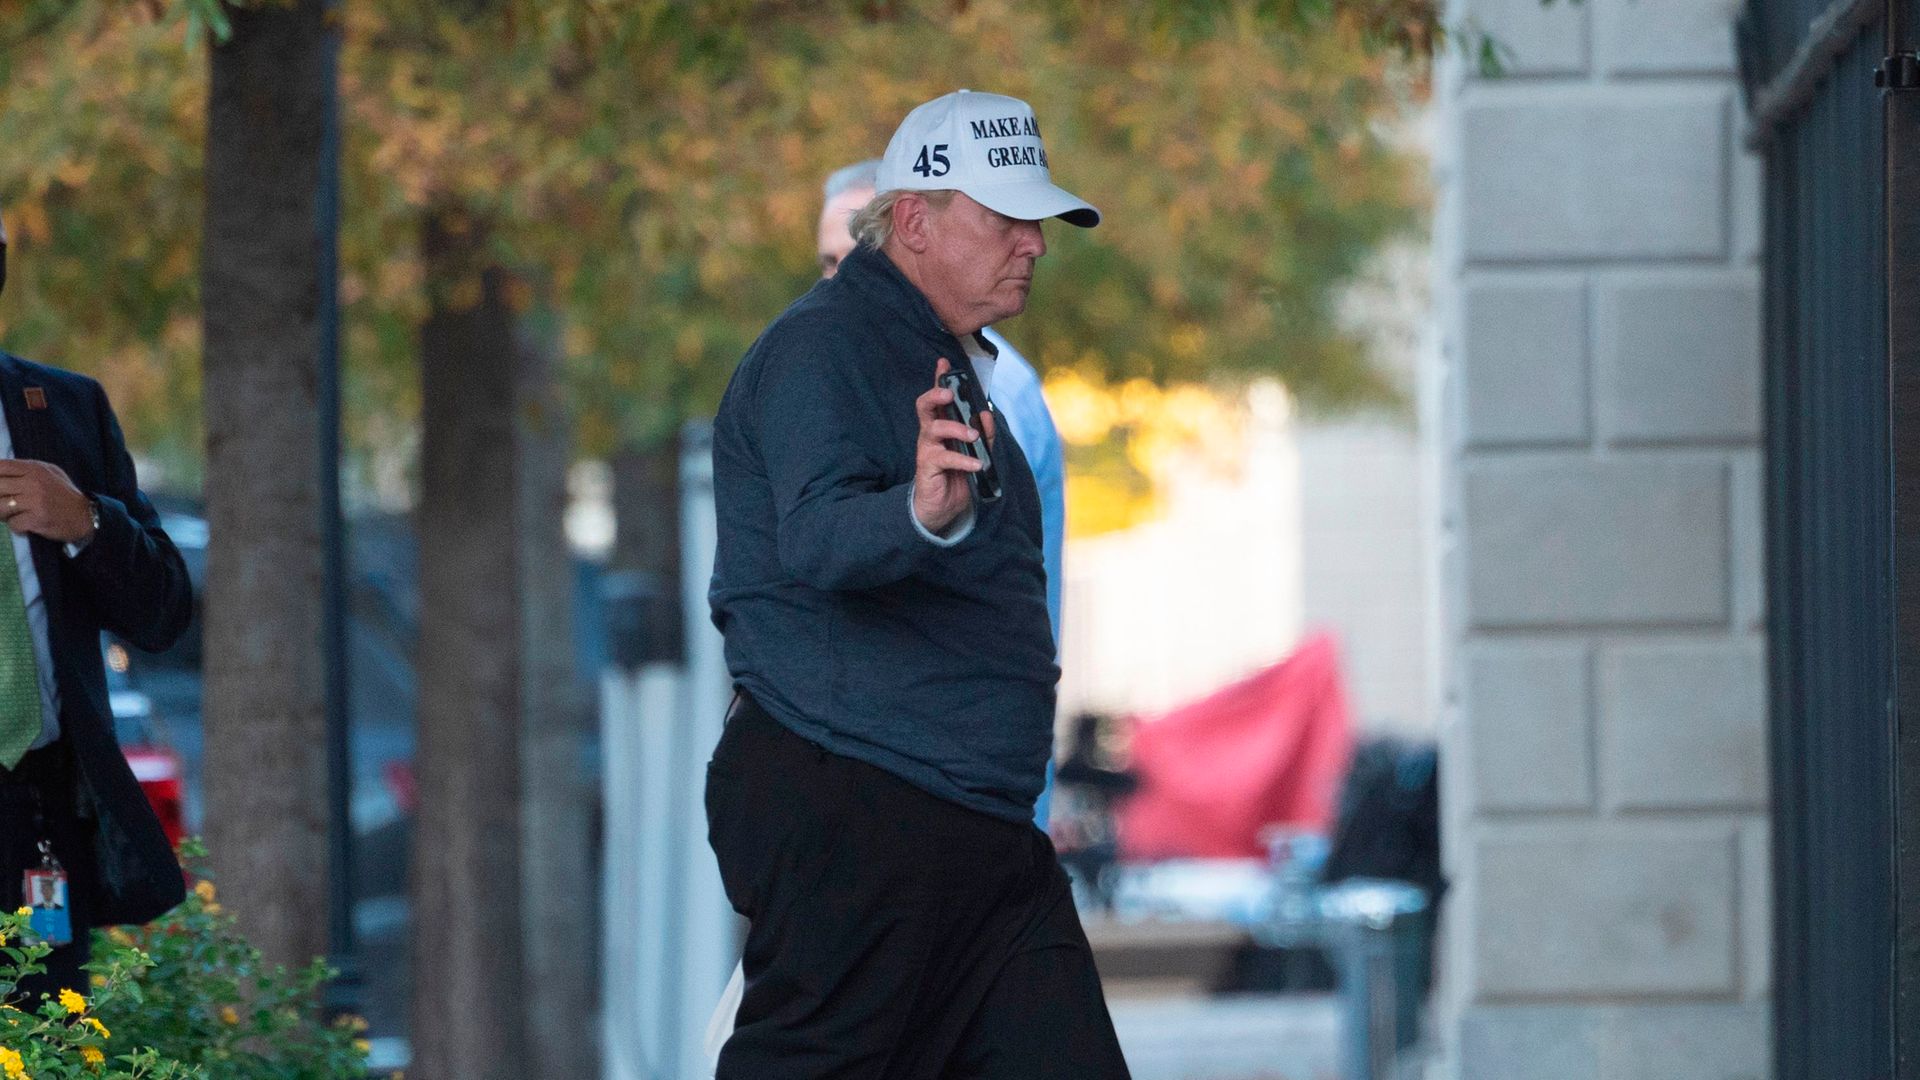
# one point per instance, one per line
(986, 145)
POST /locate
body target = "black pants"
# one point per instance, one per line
(36, 800)
(893, 935)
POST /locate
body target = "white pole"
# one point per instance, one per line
(659, 902)
(707, 937)
(619, 882)
(637, 722)
(670, 942)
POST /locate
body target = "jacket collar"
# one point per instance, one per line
(872, 274)
(12, 368)
(23, 427)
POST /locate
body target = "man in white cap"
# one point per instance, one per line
(870, 802)
(1010, 382)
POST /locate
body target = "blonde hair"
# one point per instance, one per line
(872, 224)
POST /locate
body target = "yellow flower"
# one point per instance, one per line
(212, 908)
(25, 912)
(204, 890)
(94, 1058)
(97, 980)
(228, 1016)
(99, 1027)
(363, 1046)
(72, 1002)
(11, 1064)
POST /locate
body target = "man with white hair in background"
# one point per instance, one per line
(1010, 381)
(885, 613)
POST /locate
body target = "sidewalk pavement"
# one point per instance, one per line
(1235, 1037)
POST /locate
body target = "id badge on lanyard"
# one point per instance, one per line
(45, 890)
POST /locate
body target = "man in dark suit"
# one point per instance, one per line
(87, 554)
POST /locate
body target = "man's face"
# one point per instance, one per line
(978, 267)
(836, 242)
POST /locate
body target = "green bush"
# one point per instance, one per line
(185, 997)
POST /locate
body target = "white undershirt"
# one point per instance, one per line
(983, 360)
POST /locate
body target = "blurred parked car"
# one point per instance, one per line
(143, 740)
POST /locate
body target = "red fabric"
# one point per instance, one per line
(1268, 750)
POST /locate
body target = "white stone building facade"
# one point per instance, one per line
(1595, 405)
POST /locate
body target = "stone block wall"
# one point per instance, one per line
(1597, 398)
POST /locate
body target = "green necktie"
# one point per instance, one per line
(19, 680)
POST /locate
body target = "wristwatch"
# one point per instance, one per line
(74, 549)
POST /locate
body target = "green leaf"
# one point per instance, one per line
(207, 17)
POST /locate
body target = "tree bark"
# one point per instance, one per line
(266, 764)
(560, 881)
(467, 1018)
(504, 883)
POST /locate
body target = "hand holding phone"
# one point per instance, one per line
(968, 407)
(945, 467)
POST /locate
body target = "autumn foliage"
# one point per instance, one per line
(653, 169)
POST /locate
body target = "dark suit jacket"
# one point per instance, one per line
(130, 580)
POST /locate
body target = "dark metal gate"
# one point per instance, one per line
(1843, 432)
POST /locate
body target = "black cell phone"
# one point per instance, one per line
(967, 405)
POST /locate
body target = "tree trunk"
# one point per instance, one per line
(503, 864)
(467, 1017)
(560, 885)
(266, 764)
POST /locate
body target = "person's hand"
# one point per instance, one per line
(941, 493)
(36, 497)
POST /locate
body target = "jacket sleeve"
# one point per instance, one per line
(130, 572)
(825, 442)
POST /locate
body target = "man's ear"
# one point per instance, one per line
(910, 223)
